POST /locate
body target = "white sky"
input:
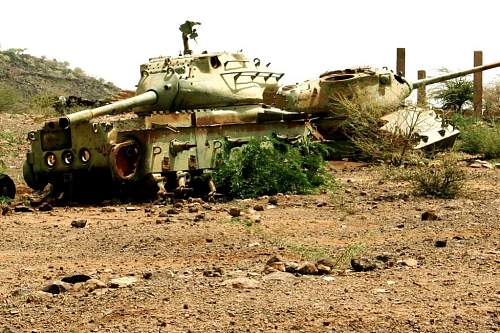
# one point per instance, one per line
(110, 39)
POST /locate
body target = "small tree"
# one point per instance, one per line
(455, 94)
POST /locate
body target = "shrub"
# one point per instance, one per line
(478, 137)
(268, 166)
(443, 180)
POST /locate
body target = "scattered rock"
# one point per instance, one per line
(273, 200)
(199, 217)
(178, 205)
(308, 268)
(363, 264)
(276, 266)
(329, 262)
(429, 216)
(258, 208)
(242, 283)
(131, 209)
(409, 262)
(109, 210)
(76, 278)
(291, 267)
(213, 272)
(380, 291)
(45, 207)
(78, 223)
(279, 276)
(273, 259)
(23, 209)
(440, 243)
(321, 203)
(255, 218)
(172, 211)
(6, 210)
(322, 269)
(193, 209)
(481, 164)
(122, 282)
(147, 275)
(329, 278)
(234, 211)
(206, 206)
(56, 287)
(94, 284)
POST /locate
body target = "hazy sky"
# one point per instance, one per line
(110, 39)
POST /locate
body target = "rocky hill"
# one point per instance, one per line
(24, 78)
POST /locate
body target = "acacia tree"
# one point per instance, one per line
(455, 94)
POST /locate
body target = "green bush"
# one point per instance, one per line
(455, 94)
(478, 137)
(441, 181)
(267, 166)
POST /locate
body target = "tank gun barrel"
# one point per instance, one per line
(147, 98)
(441, 78)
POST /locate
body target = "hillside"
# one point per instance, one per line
(25, 79)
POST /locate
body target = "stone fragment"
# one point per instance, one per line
(308, 268)
(57, 287)
(122, 282)
(131, 209)
(363, 264)
(5, 210)
(242, 283)
(234, 211)
(78, 223)
(109, 210)
(213, 272)
(409, 262)
(273, 200)
(94, 284)
(279, 276)
(329, 262)
(322, 269)
(429, 216)
(258, 208)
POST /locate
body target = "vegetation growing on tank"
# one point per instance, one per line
(363, 130)
(267, 166)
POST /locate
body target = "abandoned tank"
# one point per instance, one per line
(187, 109)
(323, 98)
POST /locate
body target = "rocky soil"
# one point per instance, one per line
(369, 258)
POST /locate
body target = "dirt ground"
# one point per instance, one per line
(184, 265)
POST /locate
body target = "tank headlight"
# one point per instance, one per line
(50, 159)
(84, 155)
(68, 157)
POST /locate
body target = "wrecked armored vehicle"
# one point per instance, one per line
(187, 109)
(322, 98)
